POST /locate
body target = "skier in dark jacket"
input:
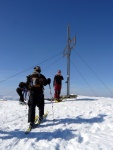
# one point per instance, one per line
(36, 82)
(22, 92)
(57, 83)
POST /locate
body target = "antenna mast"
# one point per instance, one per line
(67, 52)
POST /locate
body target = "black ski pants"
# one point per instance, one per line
(35, 99)
(19, 91)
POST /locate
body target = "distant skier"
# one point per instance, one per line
(36, 83)
(57, 84)
(22, 92)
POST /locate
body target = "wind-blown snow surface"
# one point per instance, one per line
(84, 123)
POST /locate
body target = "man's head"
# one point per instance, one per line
(37, 69)
(59, 72)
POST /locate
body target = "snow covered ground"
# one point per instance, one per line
(84, 123)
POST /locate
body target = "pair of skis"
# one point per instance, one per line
(54, 100)
(57, 101)
(36, 123)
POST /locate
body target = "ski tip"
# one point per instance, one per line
(47, 111)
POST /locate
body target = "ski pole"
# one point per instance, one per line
(25, 96)
(51, 102)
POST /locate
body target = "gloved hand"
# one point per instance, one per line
(48, 81)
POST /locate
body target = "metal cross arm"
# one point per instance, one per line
(70, 46)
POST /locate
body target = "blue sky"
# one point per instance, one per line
(34, 32)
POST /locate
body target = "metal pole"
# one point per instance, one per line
(67, 52)
(68, 63)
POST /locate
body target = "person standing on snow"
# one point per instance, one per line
(57, 84)
(36, 82)
(22, 92)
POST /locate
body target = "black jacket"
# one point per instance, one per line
(58, 79)
(37, 81)
(23, 85)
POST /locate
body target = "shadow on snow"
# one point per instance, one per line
(86, 99)
(76, 99)
(65, 134)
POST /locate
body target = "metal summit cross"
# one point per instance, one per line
(67, 52)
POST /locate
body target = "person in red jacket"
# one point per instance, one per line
(57, 83)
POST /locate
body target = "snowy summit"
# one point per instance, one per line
(84, 123)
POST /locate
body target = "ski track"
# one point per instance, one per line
(84, 123)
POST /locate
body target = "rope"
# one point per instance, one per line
(94, 73)
(85, 80)
(53, 62)
(29, 68)
(44, 69)
(11, 92)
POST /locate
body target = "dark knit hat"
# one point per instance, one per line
(37, 68)
(59, 71)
